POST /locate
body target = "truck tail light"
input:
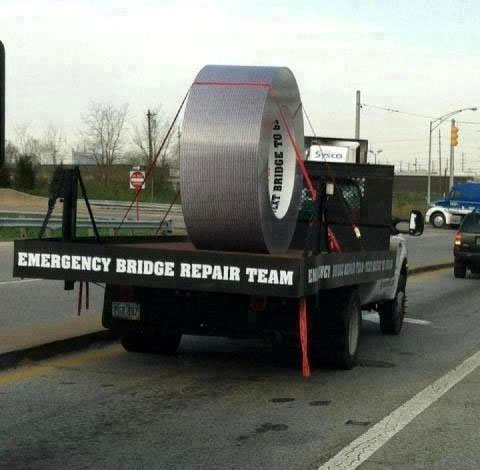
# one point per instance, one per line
(258, 304)
(123, 294)
(458, 239)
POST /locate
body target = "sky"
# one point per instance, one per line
(418, 57)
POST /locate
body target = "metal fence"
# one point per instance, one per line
(55, 223)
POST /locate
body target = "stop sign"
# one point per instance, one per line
(137, 180)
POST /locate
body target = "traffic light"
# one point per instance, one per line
(454, 136)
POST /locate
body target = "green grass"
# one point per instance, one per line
(116, 188)
(404, 203)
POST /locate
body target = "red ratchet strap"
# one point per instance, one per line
(303, 329)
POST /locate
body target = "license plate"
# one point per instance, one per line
(126, 310)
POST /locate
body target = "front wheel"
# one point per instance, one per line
(437, 219)
(392, 312)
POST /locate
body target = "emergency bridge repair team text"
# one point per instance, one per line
(145, 267)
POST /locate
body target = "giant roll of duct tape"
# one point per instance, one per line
(239, 180)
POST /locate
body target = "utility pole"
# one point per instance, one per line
(439, 162)
(358, 106)
(415, 164)
(445, 176)
(150, 153)
(452, 159)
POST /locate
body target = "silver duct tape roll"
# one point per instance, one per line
(240, 184)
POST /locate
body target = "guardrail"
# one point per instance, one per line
(56, 224)
(176, 208)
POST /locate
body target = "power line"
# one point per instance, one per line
(468, 122)
(399, 140)
(391, 110)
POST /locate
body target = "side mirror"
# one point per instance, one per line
(416, 224)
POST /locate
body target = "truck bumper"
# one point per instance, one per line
(467, 257)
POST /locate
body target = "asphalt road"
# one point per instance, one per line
(224, 404)
(433, 247)
(35, 312)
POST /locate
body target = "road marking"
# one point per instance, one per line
(368, 443)
(427, 275)
(374, 317)
(4, 283)
(52, 365)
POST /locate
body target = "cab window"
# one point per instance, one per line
(454, 195)
(471, 223)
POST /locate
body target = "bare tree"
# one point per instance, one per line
(103, 134)
(11, 152)
(53, 145)
(27, 144)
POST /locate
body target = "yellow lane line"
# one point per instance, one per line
(52, 365)
(428, 275)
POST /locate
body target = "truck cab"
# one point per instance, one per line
(462, 199)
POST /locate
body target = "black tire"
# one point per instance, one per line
(392, 312)
(133, 342)
(437, 219)
(459, 270)
(154, 343)
(335, 329)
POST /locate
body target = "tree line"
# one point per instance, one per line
(107, 137)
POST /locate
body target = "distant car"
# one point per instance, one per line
(466, 248)
(462, 199)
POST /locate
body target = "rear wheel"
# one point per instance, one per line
(437, 219)
(459, 270)
(153, 343)
(392, 312)
(335, 330)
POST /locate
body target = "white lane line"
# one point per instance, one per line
(373, 317)
(364, 446)
(3, 283)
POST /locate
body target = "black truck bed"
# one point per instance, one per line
(174, 263)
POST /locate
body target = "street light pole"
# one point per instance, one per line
(433, 125)
(429, 183)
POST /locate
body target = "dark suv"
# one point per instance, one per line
(466, 249)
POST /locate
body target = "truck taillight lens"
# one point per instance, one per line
(258, 304)
(458, 239)
(124, 294)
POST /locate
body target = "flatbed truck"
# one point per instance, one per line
(160, 288)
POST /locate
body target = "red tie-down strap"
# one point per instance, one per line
(303, 330)
(333, 245)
